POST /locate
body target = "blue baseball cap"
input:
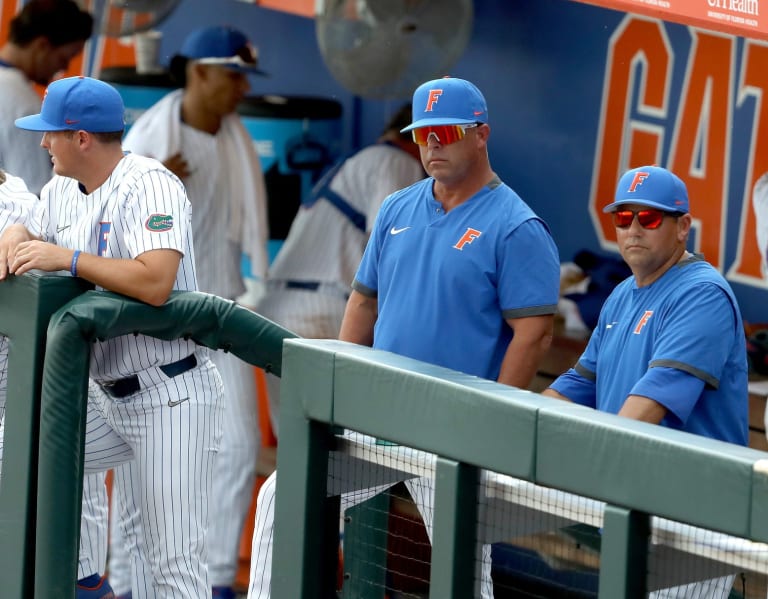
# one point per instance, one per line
(224, 46)
(75, 104)
(447, 101)
(651, 186)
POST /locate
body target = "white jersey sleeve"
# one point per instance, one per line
(16, 202)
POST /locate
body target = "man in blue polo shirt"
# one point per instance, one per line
(458, 272)
(669, 344)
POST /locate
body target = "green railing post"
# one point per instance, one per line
(26, 304)
(456, 554)
(624, 553)
(366, 530)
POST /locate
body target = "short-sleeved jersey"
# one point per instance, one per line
(679, 341)
(142, 206)
(487, 260)
(16, 202)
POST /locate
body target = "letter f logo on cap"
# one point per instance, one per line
(637, 180)
(434, 96)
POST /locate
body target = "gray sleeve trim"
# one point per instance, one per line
(360, 288)
(699, 374)
(587, 374)
(530, 311)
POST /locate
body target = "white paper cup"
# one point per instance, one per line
(147, 49)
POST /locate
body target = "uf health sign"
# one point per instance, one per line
(704, 115)
(741, 17)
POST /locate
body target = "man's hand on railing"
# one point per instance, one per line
(10, 241)
(40, 255)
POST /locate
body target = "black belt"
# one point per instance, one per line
(130, 384)
(306, 285)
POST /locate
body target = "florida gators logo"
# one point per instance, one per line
(469, 236)
(105, 228)
(643, 321)
(434, 96)
(638, 180)
(157, 223)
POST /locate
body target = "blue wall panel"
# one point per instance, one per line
(541, 65)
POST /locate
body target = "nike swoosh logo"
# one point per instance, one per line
(394, 231)
(60, 229)
(172, 403)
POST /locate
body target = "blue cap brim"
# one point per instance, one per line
(248, 70)
(34, 122)
(437, 122)
(639, 202)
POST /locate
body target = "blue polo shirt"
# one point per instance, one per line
(680, 342)
(446, 282)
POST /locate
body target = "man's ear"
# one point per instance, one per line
(684, 223)
(483, 131)
(84, 139)
(198, 71)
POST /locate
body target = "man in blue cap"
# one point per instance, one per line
(669, 345)
(458, 272)
(122, 222)
(198, 134)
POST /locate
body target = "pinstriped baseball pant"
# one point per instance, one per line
(163, 459)
(232, 487)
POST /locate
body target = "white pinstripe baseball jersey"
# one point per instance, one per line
(141, 207)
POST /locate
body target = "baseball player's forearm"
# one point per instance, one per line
(359, 318)
(532, 338)
(643, 408)
(149, 277)
(549, 392)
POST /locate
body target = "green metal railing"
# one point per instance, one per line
(470, 424)
(39, 539)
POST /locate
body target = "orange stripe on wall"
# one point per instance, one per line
(305, 8)
(8, 8)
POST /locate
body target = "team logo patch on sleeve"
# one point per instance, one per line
(158, 223)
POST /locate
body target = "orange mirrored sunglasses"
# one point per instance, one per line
(650, 218)
(445, 134)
